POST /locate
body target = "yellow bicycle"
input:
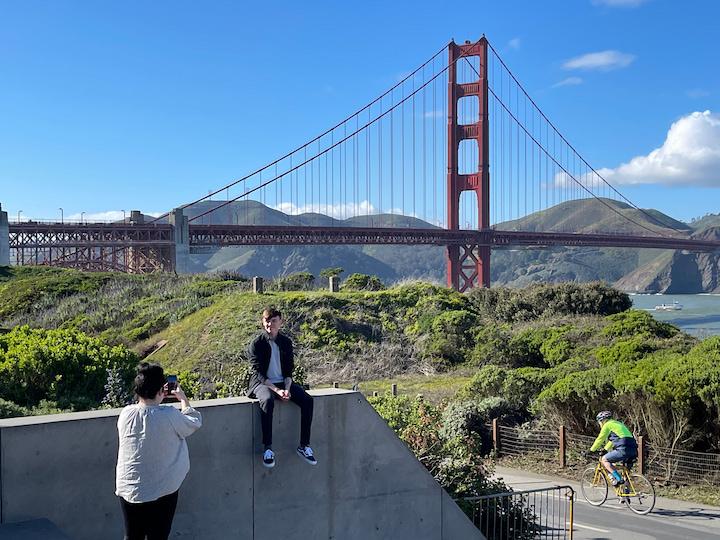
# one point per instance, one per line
(637, 492)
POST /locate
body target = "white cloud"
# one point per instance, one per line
(109, 215)
(338, 211)
(570, 81)
(619, 3)
(690, 156)
(514, 43)
(696, 93)
(602, 61)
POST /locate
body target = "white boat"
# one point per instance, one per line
(675, 306)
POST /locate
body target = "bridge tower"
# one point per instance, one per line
(4, 238)
(468, 265)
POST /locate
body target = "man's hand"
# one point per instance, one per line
(282, 394)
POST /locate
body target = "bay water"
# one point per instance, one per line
(699, 316)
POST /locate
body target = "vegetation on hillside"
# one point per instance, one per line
(546, 354)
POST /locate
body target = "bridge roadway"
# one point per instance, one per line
(36, 235)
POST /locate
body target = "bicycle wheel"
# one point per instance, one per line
(641, 499)
(594, 488)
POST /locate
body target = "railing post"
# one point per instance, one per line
(641, 454)
(258, 285)
(334, 283)
(393, 389)
(336, 385)
(496, 436)
(561, 439)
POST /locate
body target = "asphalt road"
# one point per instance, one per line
(670, 520)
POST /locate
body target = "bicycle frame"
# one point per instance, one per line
(621, 490)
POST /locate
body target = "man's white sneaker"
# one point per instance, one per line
(269, 459)
(306, 453)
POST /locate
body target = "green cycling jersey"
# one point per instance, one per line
(611, 431)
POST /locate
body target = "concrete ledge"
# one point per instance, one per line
(367, 483)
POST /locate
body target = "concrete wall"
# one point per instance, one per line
(367, 484)
(4, 238)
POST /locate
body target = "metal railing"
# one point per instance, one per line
(523, 515)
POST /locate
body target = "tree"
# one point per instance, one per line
(332, 271)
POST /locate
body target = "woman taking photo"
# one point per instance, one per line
(153, 455)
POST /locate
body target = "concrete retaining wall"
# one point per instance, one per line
(367, 484)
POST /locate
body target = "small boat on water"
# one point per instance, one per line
(675, 306)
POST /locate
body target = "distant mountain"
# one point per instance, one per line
(678, 272)
(706, 222)
(631, 269)
(593, 216)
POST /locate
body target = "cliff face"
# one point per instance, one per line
(678, 272)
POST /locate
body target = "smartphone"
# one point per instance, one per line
(171, 383)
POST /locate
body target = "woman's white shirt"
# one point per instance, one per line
(153, 456)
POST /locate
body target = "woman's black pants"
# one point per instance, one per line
(151, 520)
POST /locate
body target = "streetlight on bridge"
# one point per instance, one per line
(82, 217)
(62, 217)
(123, 211)
(19, 212)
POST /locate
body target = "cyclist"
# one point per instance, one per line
(617, 441)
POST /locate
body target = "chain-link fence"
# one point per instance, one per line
(682, 466)
(566, 449)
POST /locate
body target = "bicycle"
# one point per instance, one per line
(637, 492)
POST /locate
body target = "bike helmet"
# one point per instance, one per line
(603, 415)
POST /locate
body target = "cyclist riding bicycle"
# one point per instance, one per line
(618, 442)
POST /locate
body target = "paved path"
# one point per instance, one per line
(670, 520)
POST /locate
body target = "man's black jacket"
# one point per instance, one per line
(259, 354)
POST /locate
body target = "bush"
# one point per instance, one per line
(64, 366)
(299, 281)
(552, 300)
(362, 282)
(8, 409)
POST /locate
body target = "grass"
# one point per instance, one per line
(434, 388)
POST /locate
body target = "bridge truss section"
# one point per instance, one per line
(132, 248)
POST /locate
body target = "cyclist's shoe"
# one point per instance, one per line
(615, 482)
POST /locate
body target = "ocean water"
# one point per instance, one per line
(700, 315)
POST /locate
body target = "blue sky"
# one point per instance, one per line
(147, 105)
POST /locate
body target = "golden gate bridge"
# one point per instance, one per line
(455, 154)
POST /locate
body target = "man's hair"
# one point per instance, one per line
(149, 380)
(270, 312)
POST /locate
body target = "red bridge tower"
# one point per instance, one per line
(468, 265)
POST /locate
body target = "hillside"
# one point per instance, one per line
(595, 215)
(678, 272)
(544, 353)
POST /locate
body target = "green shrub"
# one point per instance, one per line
(299, 281)
(64, 366)
(636, 322)
(362, 282)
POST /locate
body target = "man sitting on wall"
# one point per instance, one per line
(272, 363)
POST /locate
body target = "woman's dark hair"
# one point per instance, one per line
(149, 380)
